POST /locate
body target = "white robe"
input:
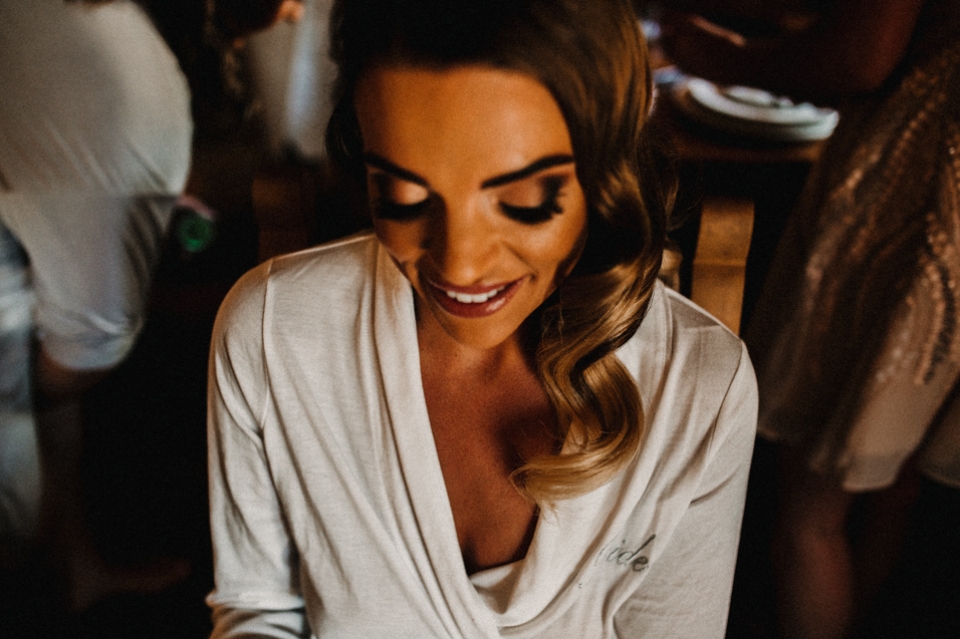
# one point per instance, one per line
(329, 512)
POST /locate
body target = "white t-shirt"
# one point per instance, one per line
(328, 507)
(95, 138)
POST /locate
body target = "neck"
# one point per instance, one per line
(441, 352)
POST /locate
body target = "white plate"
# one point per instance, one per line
(753, 112)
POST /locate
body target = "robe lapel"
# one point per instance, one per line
(430, 534)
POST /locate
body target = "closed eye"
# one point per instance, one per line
(389, 210)
(391, 198)
(542, 212)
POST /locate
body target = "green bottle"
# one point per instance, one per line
(194, 224)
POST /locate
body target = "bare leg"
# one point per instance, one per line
(64, 528)
(812, 556)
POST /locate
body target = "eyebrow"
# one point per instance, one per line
(387, 166)
(542, 164)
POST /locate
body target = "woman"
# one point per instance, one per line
(855, 333)
(487, 418)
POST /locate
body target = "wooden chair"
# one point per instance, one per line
(720, 262)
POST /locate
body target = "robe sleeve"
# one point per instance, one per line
(256, 590)
(686, 594)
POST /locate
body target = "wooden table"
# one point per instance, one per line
(728, 179)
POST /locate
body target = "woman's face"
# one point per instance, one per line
(473, 191)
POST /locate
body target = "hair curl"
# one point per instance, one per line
(592, 58)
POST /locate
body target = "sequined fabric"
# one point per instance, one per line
(856, 336)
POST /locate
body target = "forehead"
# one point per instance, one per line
(468, 120)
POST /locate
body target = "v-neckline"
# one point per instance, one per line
(552, 558)
(419, 423)
(396, 336)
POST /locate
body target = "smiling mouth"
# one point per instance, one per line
(465, 298)
(474, 304)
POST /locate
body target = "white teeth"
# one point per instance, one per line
(464, 298)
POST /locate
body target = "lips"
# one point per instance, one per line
(475, 301)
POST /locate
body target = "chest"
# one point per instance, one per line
(483, 432)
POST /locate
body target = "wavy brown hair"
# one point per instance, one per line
(591, 56)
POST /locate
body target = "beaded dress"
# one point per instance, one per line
(856, 337)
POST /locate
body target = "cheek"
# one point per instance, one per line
(564, 244)
(402, 241)
(553, 255)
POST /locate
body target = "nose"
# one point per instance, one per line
(463, 244)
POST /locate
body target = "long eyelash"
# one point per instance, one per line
(390, 210)
(543, 211)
